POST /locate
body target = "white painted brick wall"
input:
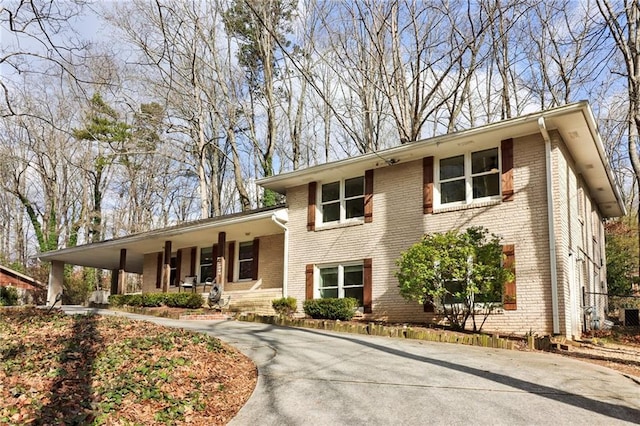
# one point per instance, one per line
(398, 222)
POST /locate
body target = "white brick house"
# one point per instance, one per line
(541, 181)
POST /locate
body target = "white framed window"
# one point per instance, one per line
(339, 281)
(245, 260)
(173, 271)
(342, 201)
(467, 178)
(456, 288)
(206, 264)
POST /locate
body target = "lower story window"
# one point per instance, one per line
(340, 281)
(173, 275)
(245, 261)
(206, 263)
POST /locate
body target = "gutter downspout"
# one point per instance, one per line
(285, 272)
(552, 233)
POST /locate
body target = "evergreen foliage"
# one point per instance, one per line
(460, 273)
(331, 309)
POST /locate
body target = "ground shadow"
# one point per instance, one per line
(71, 392)
(604, 408)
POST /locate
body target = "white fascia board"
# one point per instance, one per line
(525, 124)
(164, 232)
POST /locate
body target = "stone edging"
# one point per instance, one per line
(406, 332)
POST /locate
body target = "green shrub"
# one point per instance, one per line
(184, 300)
(134, 300)
(116, 300)
(332, 309)
(8, 296)
(286, 306)
(151, 300)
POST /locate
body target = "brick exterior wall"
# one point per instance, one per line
(580, 248)
(149, 273)
(270, 267)
(398, 222)
(26, 290)
(10, 280)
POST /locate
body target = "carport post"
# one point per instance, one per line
(166, 267)
(56, 276)
(114, 281)
(122, 274)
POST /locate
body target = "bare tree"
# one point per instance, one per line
(172, 41)
(623, 23)
(40, 40)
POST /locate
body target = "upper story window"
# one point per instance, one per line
(342, 200)
(469, 177)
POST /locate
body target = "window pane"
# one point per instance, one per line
(329, 293)
(452, 191)
(246, 270)
(355, 207)
(452, 167)
(353, 275)
(484, 161)
(354, 187)
(486, 185)
(206, 256)
(246, 250)
(331, 191)
(356, 293)
(331, 212)
(453, 287)
(329, 278)
(206, 272)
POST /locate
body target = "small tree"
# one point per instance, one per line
(460, 273)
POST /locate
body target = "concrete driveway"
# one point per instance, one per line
(313, 377)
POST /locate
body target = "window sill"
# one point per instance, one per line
(445, 209)
(333, 225)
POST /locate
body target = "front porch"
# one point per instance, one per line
(245, 254)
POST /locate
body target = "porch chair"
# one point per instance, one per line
(208, 282)
(188, 282)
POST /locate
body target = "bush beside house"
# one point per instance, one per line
(149, 300)
(331, 309)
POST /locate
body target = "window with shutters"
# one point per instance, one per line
(245, 260)
(468, 178)
(206, 264)
(339, 281)
(342, 201)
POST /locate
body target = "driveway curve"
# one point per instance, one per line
(315, 377)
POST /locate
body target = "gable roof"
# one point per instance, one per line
(21, 277)
(575, 123)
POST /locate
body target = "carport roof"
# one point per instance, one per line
(106, 254)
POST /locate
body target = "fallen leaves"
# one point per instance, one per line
(58, 369)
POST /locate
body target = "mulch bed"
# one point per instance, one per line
(60, 369)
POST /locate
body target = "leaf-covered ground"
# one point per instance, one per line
(59, 369)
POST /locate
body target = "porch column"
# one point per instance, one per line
(56, 277)
(122, 274)
(221, 270)
(166, 267)
(114, 281)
